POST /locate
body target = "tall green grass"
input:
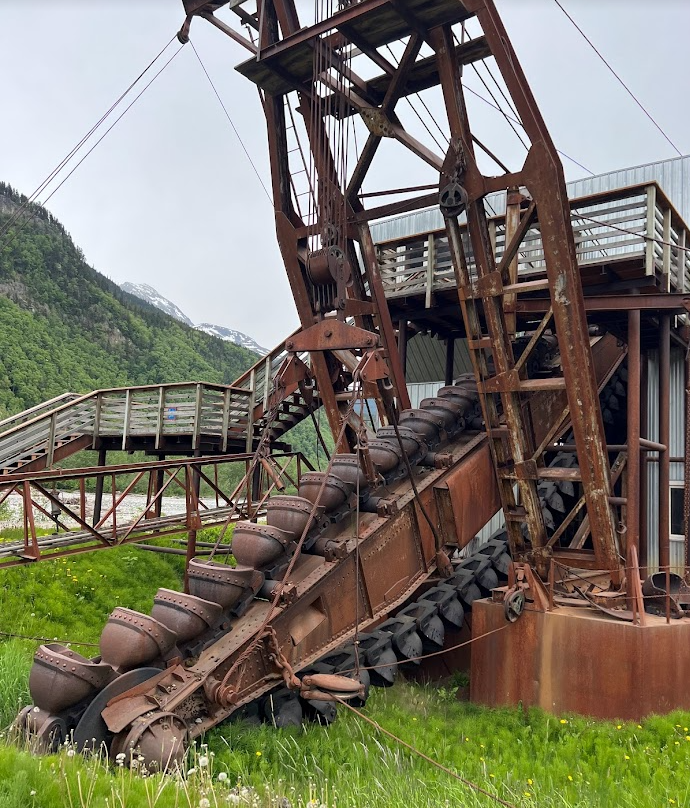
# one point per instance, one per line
(528, 758)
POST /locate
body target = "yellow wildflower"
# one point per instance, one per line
(258, 754)
(529, 781)
(564, 720)
(620, 726)
(627, 757)
(570, 777)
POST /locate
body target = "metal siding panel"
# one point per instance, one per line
(422, 390)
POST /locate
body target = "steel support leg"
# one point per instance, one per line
(664, 438)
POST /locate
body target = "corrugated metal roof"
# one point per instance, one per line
(672, 175)
(426, 359)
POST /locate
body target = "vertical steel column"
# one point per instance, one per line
(633, 474)
(513, 200)
(644, 466)
(402, 343)
(686, 454)
(98, 496)
(450, 360)
(664, 437)
(160, 476)
(193, 488)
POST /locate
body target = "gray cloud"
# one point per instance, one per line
(169, 197)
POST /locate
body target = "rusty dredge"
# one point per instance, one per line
(366, 570)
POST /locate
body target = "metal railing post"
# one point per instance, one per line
(430, 268)
(650, 229)
(666, 252)
(196, 434)
(249, 444)
(159, 420)
(51, 439)
(125, 425)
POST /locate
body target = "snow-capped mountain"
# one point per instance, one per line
(145, 292)
(150, 295)
(231, 335)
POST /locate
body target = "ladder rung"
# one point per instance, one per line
(526, 286)
(557, 383)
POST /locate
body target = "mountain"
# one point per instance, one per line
(145, 292)
(64, 326)
(231, 335)
(154, 298)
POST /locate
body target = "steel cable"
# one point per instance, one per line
(428, 759)
(13, 234)
(76, 148)
(618, 78)
(234, 128)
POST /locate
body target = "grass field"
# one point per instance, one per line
(528, 758)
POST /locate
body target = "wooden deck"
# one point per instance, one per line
(628, 238)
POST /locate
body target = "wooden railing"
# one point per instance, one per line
(638, 222)
(193, 410)
(259, 378)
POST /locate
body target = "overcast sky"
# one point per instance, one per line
(169, 198)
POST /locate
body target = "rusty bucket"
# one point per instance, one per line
(348, 469)
(412, 443)
(130, 639)
(221, 583)
(333, 492)
(260, 546)
(446, 408)
(60, 677)
(424, 424)
(291, 514)
(186, 615)
(385, 455)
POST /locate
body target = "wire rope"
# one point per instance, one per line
(618, 78)
(76, 148)
(13, 234)
(234, 128)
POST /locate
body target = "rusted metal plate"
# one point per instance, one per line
(468, 497)
(578, 660)
(389, 563)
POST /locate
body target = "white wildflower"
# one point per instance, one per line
(233, 799)
(222, 776)
(191, 772)
(203, 761)
(204, 803)
(33, 793)
(70, 753)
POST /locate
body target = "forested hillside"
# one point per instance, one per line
(64, 326)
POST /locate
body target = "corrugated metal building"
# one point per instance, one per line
(674, 178)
